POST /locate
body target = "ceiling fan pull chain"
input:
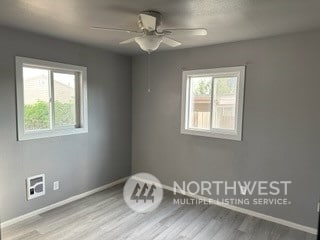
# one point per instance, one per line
(148, 80)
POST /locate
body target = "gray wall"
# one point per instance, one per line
(80, 162)
(281, 133)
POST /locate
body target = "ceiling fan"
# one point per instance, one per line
(151, 35)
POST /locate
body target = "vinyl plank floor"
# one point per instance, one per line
(105, 216)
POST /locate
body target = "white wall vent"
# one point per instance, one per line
(36, 186)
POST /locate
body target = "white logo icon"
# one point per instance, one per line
(143, 192)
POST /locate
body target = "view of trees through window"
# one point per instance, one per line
(37, 115)
(224, 86)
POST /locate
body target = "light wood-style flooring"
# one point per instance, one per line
(105, 216)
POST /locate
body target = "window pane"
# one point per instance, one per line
(224, 103)
(36, 99)
(200, 102)
(64, 99)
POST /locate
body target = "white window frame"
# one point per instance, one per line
(236, 134)
(82, 119)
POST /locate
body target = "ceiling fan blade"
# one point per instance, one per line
(148, 22)
(170, 42)
(115, 29)
(128, 41)
(191, 31)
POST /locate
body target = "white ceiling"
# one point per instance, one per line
(226, 20)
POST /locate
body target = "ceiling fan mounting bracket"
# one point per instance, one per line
(155, 14)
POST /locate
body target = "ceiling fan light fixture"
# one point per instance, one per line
(149, 43)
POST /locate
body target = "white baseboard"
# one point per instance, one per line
(241, 210)
(61, 203)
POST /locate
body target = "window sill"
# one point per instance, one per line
(51, 133)
(222, 135)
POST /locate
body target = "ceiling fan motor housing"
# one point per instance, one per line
(155, 14)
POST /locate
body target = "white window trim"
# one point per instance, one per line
(83, 124)
(215, 133)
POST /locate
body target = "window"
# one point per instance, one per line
(51, 99)
(212, 102)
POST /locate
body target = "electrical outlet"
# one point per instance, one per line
(55, 185)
